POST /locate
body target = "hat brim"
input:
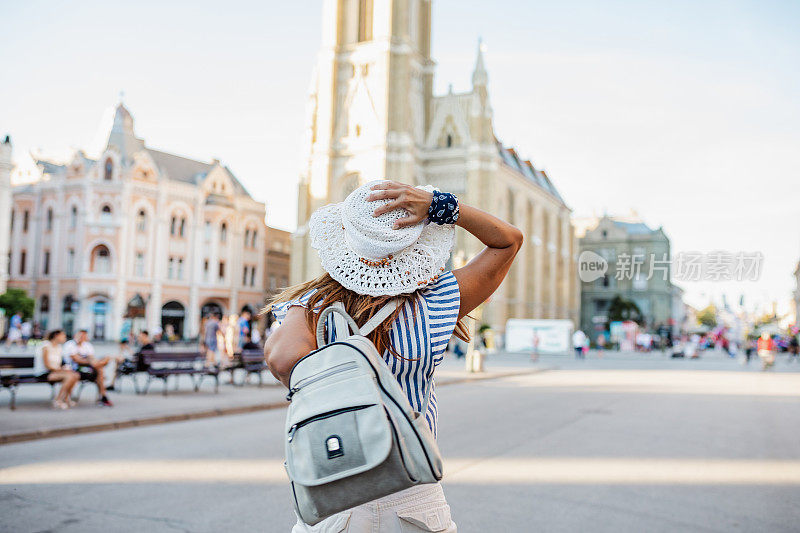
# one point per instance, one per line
(408, 270)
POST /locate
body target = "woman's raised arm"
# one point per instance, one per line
(479, 278)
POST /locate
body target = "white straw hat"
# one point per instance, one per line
(366, 255)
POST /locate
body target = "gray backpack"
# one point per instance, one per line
(352, 435)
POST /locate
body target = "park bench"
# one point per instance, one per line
(252, 362)
(162, 365)
(19, 371)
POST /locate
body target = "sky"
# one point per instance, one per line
(686, 112)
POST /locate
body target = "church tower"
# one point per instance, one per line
(368, 106)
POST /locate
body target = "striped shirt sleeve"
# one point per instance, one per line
(280, 310)
(443, 300)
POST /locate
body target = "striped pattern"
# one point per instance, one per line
(421, 339)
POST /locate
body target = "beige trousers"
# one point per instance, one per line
(418, 509)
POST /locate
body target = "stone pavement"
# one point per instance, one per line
(35, 419)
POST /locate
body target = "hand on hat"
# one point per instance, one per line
(414, 200)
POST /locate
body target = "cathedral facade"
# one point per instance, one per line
(373, 114)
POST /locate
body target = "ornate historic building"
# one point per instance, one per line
(6, 166)
(137, 238)
(372, 114)
(633, 251)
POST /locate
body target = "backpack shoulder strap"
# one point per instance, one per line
(378, 318)
(341, 322)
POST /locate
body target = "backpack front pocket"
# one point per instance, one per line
(337, 444)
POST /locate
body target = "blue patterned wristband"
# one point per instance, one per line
(444, 208)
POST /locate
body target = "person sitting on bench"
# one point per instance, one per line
(57, 370)
(248, 343)
(81, 352)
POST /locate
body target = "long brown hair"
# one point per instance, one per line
(359, 306)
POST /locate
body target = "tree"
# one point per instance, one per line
(17, 301)
(708, 316)
(622, 309)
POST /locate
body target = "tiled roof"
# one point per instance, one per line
(525, 167)
(633, 228)
(189, 170)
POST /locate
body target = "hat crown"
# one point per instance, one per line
(374, 237)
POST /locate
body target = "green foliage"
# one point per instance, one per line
(17, 301)
(622, 309)
(708, 316)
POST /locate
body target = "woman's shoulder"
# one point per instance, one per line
(445, 287)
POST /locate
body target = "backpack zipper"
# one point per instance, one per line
(341, 367)
(323, 416)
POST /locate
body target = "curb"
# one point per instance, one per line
(211, 413)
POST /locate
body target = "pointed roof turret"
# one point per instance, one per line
(479, 76)
(122, 135)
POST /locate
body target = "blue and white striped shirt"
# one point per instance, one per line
(422, 338)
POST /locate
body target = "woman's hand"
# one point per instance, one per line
(414, 200)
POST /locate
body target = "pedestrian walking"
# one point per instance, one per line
(766, 351)
(14, 330)
(210, 336)
(578, 340)
(535, 347)
(375, 247)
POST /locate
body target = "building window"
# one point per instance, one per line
(12, 220)
(180, 268)
(449, 141)
(25, 219)
(182, 228)
(247, 238)
(252, 276)
(46, 263)
(22, 257)
(109, 170)
(71, 261)
(49, 224)
(138, 265)
(73, 217)
(221, 270)
(244, 275)
(223, 232)
(141, 221)
(170, 267)
(207, 231)
(205, 270)
(105, 213)
(604, 233)
(101, 260)
(172, 225)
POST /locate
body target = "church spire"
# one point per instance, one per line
(479, 76)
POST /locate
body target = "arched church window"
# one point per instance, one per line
(449, 141)
(109, 169)
(223, 232)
